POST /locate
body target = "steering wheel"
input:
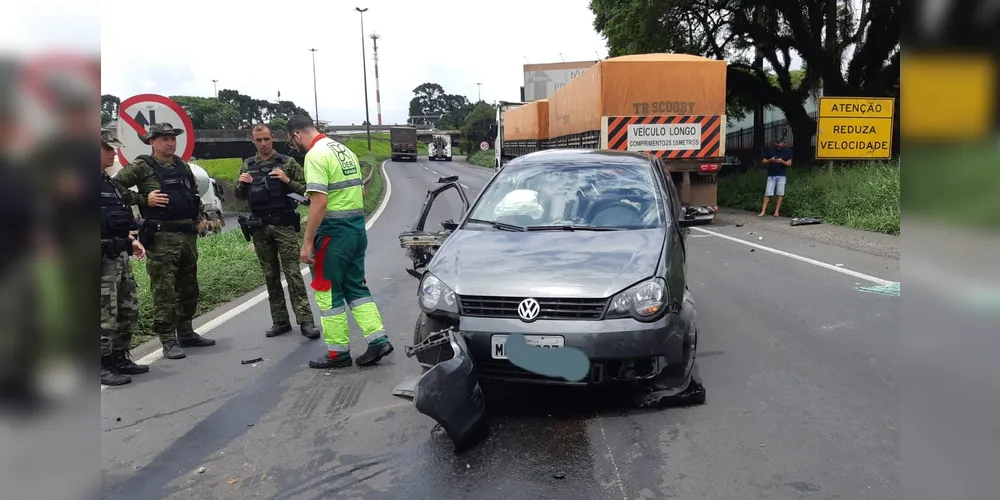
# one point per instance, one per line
(616, 214)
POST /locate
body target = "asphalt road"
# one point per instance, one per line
(798, 365)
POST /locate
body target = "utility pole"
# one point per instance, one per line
(378, 95)
(480, 90)
(215, 87)
(364, 72)
(315, 95)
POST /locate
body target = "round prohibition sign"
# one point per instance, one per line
(138, 111)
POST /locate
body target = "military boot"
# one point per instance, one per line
(326, 361)
(375, 352)
(110, 374)
(278, 329)
(123, 360)
(192, 339)
(173, 351)
(309, 331)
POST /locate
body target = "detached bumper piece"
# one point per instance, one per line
(449, 392)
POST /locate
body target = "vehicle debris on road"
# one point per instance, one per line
(251, 361)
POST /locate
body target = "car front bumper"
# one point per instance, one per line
(618, 349)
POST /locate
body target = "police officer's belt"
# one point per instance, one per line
(112, 248)
(279, 219)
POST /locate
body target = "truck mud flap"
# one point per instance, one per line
(449, 392)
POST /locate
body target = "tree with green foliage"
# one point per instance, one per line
(480, 125)
(209, 113)
(750, 33)
(231, 110)
(109, 108)
(431, 99)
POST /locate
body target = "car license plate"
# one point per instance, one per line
(549, 341)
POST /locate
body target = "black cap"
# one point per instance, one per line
(299, 122)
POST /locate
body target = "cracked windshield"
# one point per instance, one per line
(567, 250)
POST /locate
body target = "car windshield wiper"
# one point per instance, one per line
(497, 225)
(573, 228)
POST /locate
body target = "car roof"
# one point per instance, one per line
(582, 156)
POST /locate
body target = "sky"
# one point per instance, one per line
(259, 49)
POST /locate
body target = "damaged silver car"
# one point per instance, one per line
(576, 249)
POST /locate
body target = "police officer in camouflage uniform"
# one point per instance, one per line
(119, 292)
(173, 215)
(265, 181)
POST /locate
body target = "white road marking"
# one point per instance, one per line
(807, 260)
(463, 185)
(260, 297)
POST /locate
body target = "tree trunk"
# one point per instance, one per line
(803, 127)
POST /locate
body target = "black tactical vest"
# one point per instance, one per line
(179, 185)
(116, 217)
(267, 195)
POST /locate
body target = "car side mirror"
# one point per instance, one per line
(450, 178)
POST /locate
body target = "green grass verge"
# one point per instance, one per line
(485, 159)
(863, 196)
(227, 269)
(956, 184)
(227, 264)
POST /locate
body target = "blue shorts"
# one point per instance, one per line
(775, 185)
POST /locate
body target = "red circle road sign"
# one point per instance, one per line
(483, 146)
(136, 112)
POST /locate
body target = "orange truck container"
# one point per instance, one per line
(671, 106)
(526, 128)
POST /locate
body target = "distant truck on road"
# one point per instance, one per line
(669, 106)
(404, 143)
(439, 148)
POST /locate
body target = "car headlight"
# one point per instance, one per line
(644, 301)
(434, 295)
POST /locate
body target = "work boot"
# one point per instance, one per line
(310, 331)
(123, 361)
(375, 353)
(110, 374)
(278, 329)
(327, 362)
(173, 351)
(192, 339)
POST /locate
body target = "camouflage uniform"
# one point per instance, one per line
(278, 243)
(119, 292)
(173, 254)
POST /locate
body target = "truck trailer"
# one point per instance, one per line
(670, 106)
(404, 143)
(439, 148)
(499, 157)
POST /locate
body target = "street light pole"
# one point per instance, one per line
(480, 90)
(215, 88)
(364, 72)
(315, 95)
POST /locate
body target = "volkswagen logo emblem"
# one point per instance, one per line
(528, 309)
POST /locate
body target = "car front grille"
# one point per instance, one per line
(506, 307)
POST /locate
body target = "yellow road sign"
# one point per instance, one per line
(851, 128)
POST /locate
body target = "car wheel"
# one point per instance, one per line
(426, 325)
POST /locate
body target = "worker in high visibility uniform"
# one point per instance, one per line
(334, 244)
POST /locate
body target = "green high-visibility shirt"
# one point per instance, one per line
(332, 168)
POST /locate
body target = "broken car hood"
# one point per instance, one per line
(567, 264)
